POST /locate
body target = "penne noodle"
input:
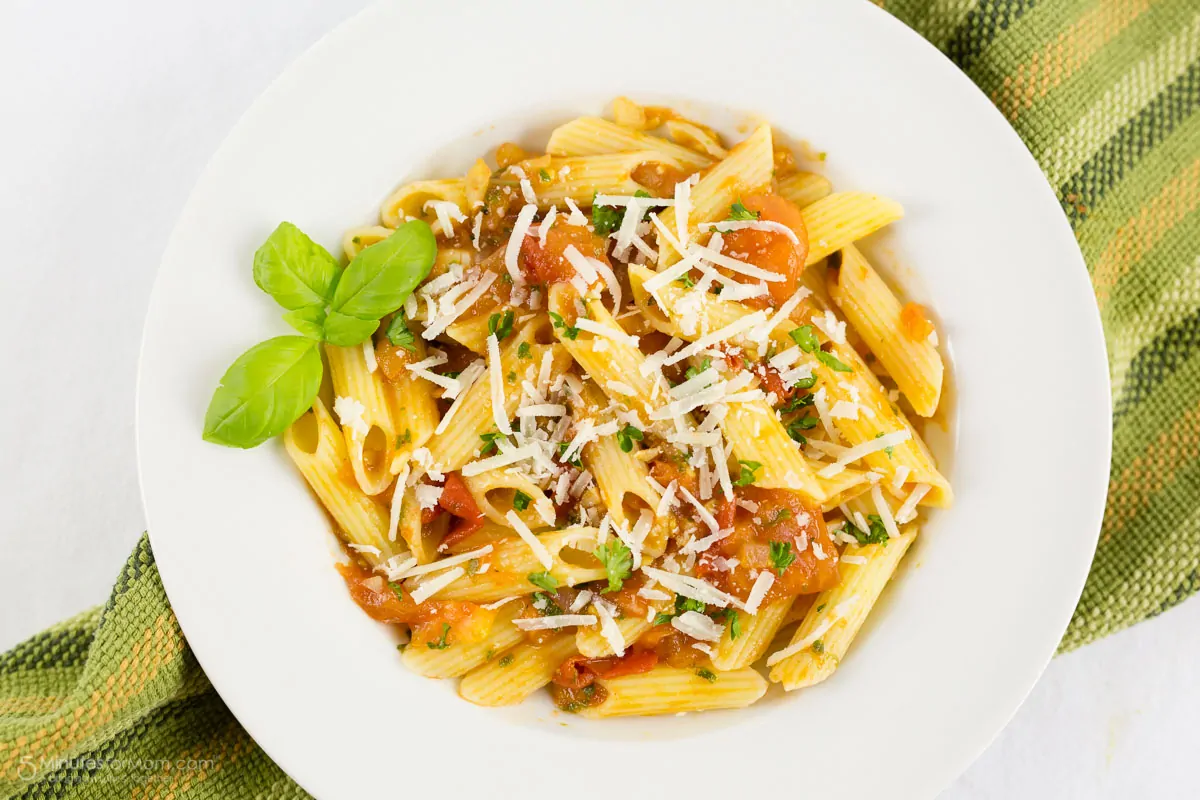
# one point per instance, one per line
(318, 448)
(592, 136)
(520, 672)
(369, 446)
(459, 658)
(837, 615)
(873, 310)
(667, 690)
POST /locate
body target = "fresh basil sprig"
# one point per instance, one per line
(378, 281)
(270, 385)
(297, 272)
(265, 391)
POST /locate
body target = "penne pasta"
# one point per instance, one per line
(830, 626)
(803, 188)
(871, 307)
(593, 136)
(755, 633)
(371, 441)
(316, 445)
(843, 218)
(460, 658)
(667, 690)
(746, 170)
(520, 672)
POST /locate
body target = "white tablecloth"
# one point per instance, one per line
(110, 110)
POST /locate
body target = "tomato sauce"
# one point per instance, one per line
(772, 250)
(672, 647)
(469, 622)
(574, 684)
(782, 517)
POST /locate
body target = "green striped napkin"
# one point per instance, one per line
(1104, 92)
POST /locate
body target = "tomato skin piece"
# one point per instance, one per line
(579, 671)
(772, 250)
(914, 322)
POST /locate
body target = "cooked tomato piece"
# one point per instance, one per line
(548, 264)
(457, 499)
(659, 179)
(578, 671)
(914, 322)
(673, 466)
(785, 523)
(672, 647)
(627, 599)
(772, 250)
(469, 622)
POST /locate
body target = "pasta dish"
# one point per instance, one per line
(631, 418)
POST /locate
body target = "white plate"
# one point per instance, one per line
(957, 641)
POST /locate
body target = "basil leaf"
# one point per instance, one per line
(309, 320)
(381, 277)
(345, 331)
(265, 391)
(294, 269)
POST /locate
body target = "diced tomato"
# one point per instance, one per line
(548, 264)
(772, 250)
(469, 622)
(627, 599)
(672, 647)
(673, 466)
(782, 517)
(658, 178)
(456, 498)
(914, 322)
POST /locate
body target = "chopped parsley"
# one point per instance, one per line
(747, 474)
(397, 589)
(818, 647)
(694, 371)
(544, 176)
(735, 622)
(501, 324)
(562, 451)
(489, 442)
(568, 331)
(545, 605)
(662, 619)
(521, 500)
(796, 403)
(807, 340)
(877, 533)
(831, 361)
(441, 644)
(473, 566)
(618, 563)
(399, 334)
(683, 604)
(524, 350)
(543, 580)
(606, 219)
(820, 608)
(687, 281)
(781, 556)
(707, 674)
(506, 660)
(806, 383)
(795, 427)
(404, 438)
(738, 213)
(889, 449)
(512, 377)
(627, 436)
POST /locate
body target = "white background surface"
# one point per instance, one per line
(108, 113)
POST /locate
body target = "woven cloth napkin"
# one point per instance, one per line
(112, 703)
